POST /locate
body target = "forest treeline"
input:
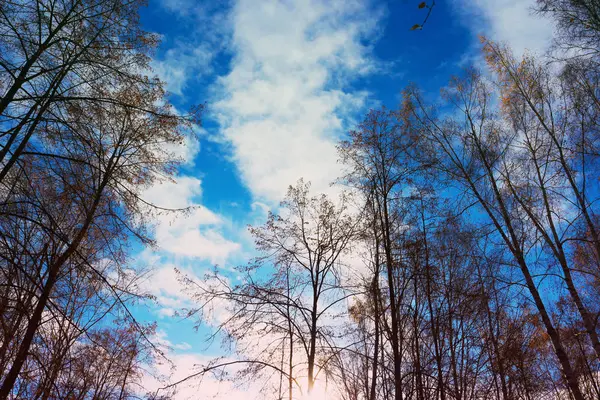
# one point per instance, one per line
(461, 261)
(471, 269)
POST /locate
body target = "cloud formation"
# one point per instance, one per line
(509, 21)
(287, 97)
(204, 387)
(198, 234)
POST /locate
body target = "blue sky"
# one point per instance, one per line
(282, 82)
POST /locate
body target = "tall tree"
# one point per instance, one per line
(291, 293)
(474, 151)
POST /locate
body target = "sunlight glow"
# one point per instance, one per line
(319, 392)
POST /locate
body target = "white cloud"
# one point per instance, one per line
(284, 102)
(510, 21)
(184, 61)
(209, 244)
(191, 55)
(196, 234)
(205, 387)
(182, 346)
(261, 208)
(176, 194)
(166, 312)
(163, 283)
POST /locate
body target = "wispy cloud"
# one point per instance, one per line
(286, 99)
(202, 33)
(509, 21)
(198, 234)
(208, 386)
(182, 62)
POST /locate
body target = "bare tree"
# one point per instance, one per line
(82, 204)
(472, 150)
(291, 294)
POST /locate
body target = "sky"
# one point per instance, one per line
(282, 81)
